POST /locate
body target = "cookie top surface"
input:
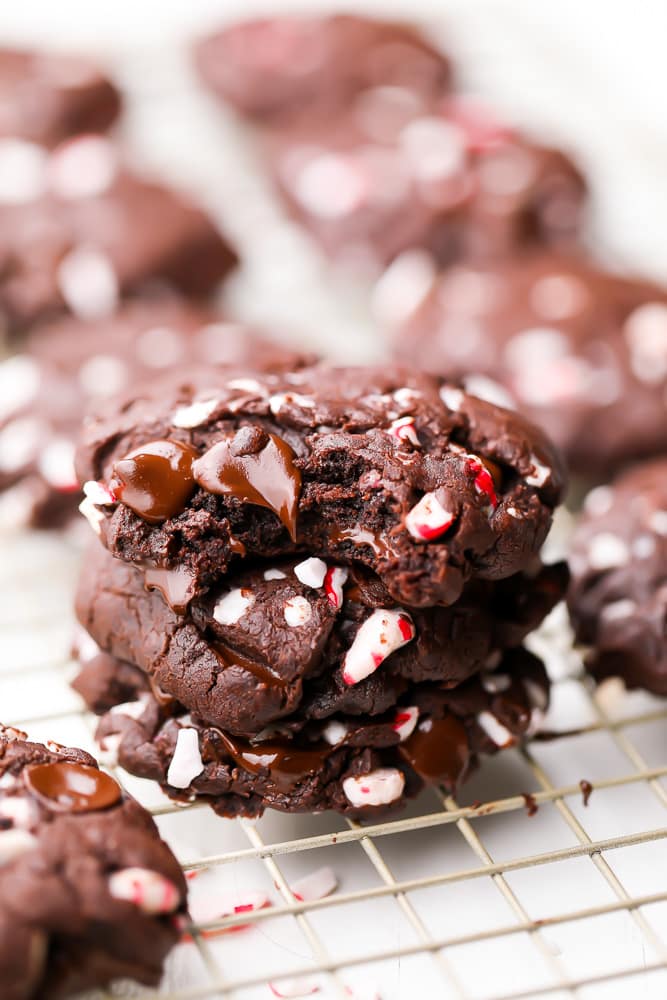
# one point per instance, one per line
(279, 69)
(355, 764)
(47, 97)
(71, 364)
(78, 230)
(581, 351)
(78, 860)
(618, 593)
(297, 640)
(392, 173)
(402, 472)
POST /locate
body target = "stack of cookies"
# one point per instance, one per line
(310, 589)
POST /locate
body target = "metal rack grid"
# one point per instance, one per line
(34, 692)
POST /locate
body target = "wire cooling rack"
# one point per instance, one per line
(470, 898)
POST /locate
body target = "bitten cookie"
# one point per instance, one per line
(296, 640)
(618, 593)
(394, 174)
(88, 891)
(78, 231)
(582, 351)
(358, 765)
(404, 473)
(279, 69)
(71, 365)
(46, 97)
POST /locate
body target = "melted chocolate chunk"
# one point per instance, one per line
(439, 750)
(77, 788)
(286, 764)
(176, 586)
(155, 480)
(256, 468)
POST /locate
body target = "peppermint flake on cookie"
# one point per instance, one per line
(403, 429)
(186, 764)
(333, 585)
(232, 606)
(195, 414)
(378, 788)
(297, 611)
(428, 519)
(405, 721)
(311, 572)
(380, 635)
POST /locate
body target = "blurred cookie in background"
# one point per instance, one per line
(78, 231)
(276, 70)
(46, 97)
(396, 172)
(580, 350)
(618, 591)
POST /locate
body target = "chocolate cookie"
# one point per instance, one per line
(582, 351)
(394, 173)
(71, 364)
(401, 472)
(88, 891)
(46, 97)
(358, 765)
(618, 594)
(279, 69)
(296, 640)
(77, 231)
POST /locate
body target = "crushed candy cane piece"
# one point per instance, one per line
(299, 986)
(186, 763)
(233, 605)
(311, 572)
(378, 788)
(484, 483)
(149, 891)
(195, 414)
(334, 582)
(274, 574)
(495, 730)
(98, 493)
(540, 473)
(297, 611)
(405, 721)
(315, 885)
(380, 635)
(334, 732)
(404, 430)
(428, 519)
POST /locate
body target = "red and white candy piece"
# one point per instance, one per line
(334, 582)
(378, 788)
(403, 429)
(428, 519)
(315, 885)
(540, 473)
(212, 906)
(405, 721)
(186, 763)
(299, 986)
(149, 891)
(379, 636)
(98, 494)
(483, 479)
(311, 572)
